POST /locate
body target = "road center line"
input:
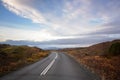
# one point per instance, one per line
(49, 66)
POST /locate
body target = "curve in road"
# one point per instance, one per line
(57, 66)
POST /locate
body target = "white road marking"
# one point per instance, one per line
(49, 66)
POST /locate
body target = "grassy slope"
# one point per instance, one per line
(15, 57)
(98, 59)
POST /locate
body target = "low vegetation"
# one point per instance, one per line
(102, 58)
(114, 49)
(15, 57)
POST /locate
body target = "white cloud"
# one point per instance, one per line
(24, 10)
(20, 34)
(66, 25)
(76, 18)
(7, 33)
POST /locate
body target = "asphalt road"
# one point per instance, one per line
(57, 66)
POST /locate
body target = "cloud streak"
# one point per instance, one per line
(72, 15)
(20, 8)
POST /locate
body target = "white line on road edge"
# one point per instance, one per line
(49, 66)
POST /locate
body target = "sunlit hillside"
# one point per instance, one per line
(14, 57)
(102, 58)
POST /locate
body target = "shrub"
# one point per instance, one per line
(115, 49)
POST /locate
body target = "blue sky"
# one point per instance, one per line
(47, 20)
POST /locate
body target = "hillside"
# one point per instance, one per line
(15, 57)
(102, 58)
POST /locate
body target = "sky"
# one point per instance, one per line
(60, 22)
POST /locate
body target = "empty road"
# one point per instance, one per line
(57, 66)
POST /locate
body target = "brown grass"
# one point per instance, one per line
(98, 60)
(15, 57)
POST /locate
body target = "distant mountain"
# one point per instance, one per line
(52, 48)
(20, 42)
(56, 44)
